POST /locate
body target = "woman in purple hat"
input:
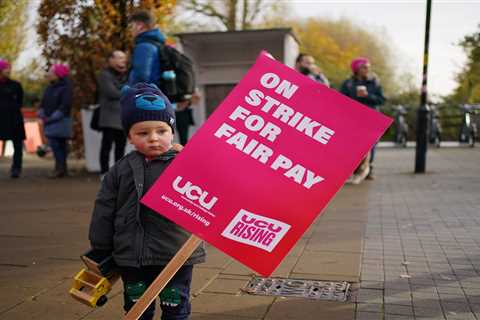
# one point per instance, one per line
(364, 87)
(55, 111)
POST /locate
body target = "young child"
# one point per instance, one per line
(140, 240)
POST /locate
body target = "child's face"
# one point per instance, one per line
(151, 138)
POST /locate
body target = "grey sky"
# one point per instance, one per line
(403, 22)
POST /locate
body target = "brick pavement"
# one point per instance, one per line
(421, 257)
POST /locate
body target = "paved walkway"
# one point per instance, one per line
(422, 257)
(409, 242)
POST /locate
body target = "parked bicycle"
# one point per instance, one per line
(401, 126)
(434, 126)
(468, 129)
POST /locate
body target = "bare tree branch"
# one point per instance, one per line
(206, 9)
(244, 14)
(255, 11)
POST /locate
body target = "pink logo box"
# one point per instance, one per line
(265, 164)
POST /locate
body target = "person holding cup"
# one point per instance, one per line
(364, 87)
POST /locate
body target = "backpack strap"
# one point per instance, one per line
(165, 63)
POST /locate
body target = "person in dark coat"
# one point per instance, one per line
(110, 82)
(365, 88)
(55, 111)
(11, 118)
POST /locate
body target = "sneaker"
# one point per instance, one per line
(370, 176)
(356, 179)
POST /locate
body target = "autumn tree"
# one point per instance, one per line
(83, 33)
(467, 89)
(334, 43)
(231, 15)
(12, 28)
(468, 79)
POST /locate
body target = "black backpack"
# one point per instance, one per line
(183, 86)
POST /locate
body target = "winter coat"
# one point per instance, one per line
(55, 109)
(375, 96)
(110, 83)
(11, 118)
(121, 225)
(145, 59)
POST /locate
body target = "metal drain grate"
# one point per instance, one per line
(311, 289)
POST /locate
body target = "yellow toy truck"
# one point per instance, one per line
(91, 284)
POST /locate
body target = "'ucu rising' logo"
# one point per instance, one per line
(194, 193)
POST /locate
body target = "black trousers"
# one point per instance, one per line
(183, 119)
(110, 136)
(17, 155)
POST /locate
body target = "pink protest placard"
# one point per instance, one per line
(265, 164)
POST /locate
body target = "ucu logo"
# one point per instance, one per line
(256, 230)
(194, 193)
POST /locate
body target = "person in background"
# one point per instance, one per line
(55, 110)
(109, 84)
(305, 64)
(145, 61)
(146, 65)
(11, 118)
(364, 87)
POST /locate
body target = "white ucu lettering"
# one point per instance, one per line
(194, 193)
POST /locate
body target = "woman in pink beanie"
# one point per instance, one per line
(4, 65)
(365, 88)
(359, 62)
(55, 111)
(60, 70)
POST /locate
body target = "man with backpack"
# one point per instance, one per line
(155, 62)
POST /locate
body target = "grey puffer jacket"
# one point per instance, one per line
(110, 83)
(123, 226)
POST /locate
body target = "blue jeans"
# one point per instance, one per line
(174, 299)
(60, 151)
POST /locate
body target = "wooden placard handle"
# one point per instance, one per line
(163, 278)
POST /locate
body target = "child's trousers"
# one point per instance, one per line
(174, 299)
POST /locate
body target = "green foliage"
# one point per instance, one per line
(12, 28)
(468, 80)
(467, 89)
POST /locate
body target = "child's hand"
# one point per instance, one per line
(177, 147)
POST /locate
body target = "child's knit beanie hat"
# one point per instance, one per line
(145, 102)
